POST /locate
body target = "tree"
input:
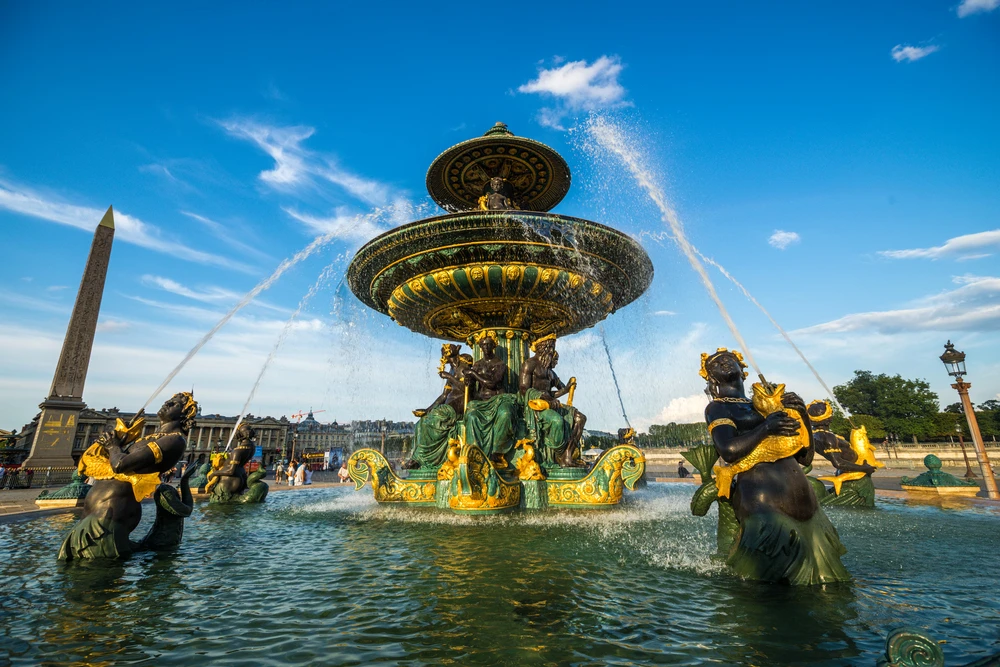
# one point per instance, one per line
(678, 435)
(904, 407)
(955, 408)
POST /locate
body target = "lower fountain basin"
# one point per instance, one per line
(327, 576)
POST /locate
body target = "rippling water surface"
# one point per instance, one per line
(325, 576)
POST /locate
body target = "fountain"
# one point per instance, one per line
(505, 276)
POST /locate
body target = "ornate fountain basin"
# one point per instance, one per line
(533, 273)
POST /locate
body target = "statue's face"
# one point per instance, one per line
(487, 346)
(173, 408)
(725, 369)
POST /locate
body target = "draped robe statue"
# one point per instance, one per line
(437, 421)
(556, 428)
(491, 417)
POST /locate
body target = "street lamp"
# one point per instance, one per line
(961, 443)
(954, 361)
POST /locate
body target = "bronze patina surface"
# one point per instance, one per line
(537, 175)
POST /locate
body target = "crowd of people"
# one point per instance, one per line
(294, 474)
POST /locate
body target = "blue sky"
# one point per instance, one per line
(839, 159)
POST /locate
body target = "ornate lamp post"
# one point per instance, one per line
(961, 443)
(954, 361)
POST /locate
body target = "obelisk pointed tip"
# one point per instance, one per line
(109, 219)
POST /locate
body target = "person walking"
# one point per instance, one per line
(278, 470)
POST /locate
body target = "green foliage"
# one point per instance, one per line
(904, 407)
(954, 408)
(676, 435)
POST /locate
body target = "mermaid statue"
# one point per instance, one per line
(437, 421)
(230, 483)
(555, 427)
(491, 416)
(126, 467)
(855, 461)
(783, 536)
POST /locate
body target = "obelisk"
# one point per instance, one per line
(56, 430)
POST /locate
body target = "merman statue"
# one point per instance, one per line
(784, 536)
(434, 428)
(555, 427)
(229, 483)
(491, 415)
(855, 460)
(127, 467)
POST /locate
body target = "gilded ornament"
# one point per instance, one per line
(706, 358)
(720, 422)
(766, 400)
(619, 467)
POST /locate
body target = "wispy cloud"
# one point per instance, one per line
(781, 239)
(973, 306)
(976, 6)
(164, 172)
(210, 294)
(352, 226)
(576, 86)
(664, 313)
(56, 288)
(967, 246)
(296, 166)
(129, 229)
(902, 53)
(224, 233)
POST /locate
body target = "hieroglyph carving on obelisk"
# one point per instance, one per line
(56, 430)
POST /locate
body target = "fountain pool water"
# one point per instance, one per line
(327, 576)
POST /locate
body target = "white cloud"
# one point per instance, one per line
(296, 166)
(967, 246)
(111, 325)
(974, 306)
(902, 53)
(211, 294)
(684, 410)
(577, 86)
(56, 288)
(781, 239)
(968, 7)
(664, 312)
(127, 228)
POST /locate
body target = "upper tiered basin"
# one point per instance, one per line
(534, 272)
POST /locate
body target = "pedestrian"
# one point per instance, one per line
(309, 476)
(682, 472)
(278, 470)
(290, 472)
(300, 475)
(343, 474)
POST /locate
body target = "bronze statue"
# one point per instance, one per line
(230, 483)
(784, 536)
(498, 195)
(491, 417)
(557, 428)
(127, 468)
(854, 461)
(437, 421)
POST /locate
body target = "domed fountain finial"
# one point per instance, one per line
(499, 129)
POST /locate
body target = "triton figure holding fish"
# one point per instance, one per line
(784, 536)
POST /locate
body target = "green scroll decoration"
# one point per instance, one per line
(617, 468)
(908, 647)
(368, 464)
